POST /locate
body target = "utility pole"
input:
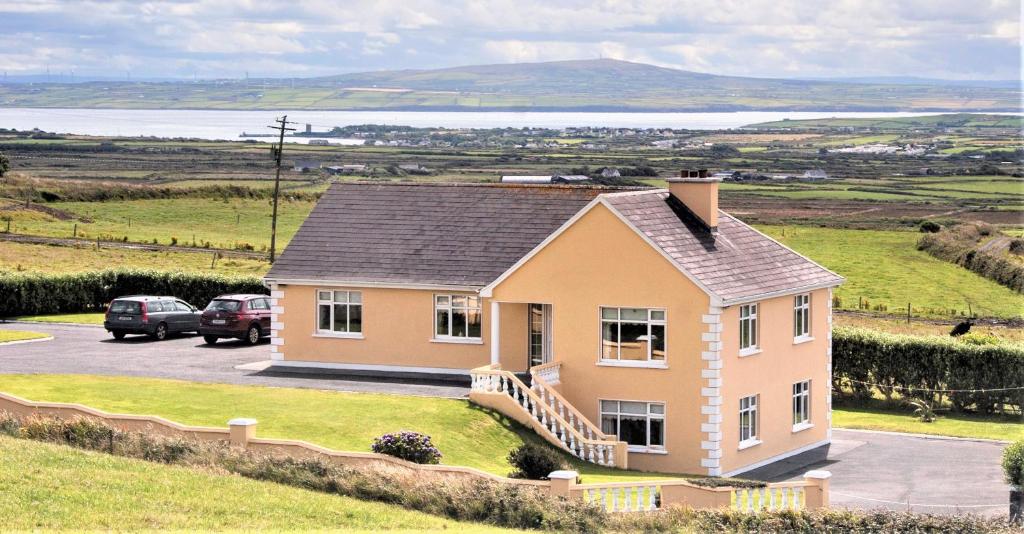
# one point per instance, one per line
(282, 126)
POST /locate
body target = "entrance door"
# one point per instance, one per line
(540, 333)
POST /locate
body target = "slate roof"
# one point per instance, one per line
(736, 263)
(431, 234)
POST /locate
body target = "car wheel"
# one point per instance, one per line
(118, 335)
(161, 332)
(210, 340)
(252, 336)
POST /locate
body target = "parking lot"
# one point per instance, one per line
(91, 350)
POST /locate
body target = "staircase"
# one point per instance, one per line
(542, 408)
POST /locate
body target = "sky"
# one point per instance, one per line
(954, 39)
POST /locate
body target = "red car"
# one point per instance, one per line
(245, 317)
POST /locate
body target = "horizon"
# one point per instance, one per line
(193, 39)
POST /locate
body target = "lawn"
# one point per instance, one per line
(466, 434)
(886, 268)
(7, 336)
(223, 223)
(50, 487)
(19, 257)
(79, 318)
(1008, 428)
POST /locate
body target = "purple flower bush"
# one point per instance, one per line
(411, 446)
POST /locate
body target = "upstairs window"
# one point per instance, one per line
(457, 316)
(802, 316)
(633, 334)
(748, 328)
(339, 312)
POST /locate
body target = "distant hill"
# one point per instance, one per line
(957, 120)
(591, 85)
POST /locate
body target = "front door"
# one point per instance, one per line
(540, 333)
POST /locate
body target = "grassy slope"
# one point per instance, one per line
(51, 487)
(466, 434)
(7, 336)
(53, 259)
(887, 268)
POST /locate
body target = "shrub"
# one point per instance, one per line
(411, 446)
(1013, 463)
(719, 482)
(534, 462)
(930, 227)
(1017, 247)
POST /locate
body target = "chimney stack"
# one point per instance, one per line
(699, 193)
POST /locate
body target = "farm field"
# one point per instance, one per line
(52, 487)
(894, 324)
(23, 257)
(886, 268)
(466, 434)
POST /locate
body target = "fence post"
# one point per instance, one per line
(241, 431)
(817, 489)
(562, 483)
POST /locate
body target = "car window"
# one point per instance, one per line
(266, 302)
(257, 304)
(182, 306)
(125, 306)
(154, 306)
(224, 305)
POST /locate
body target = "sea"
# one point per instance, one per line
(231, 125)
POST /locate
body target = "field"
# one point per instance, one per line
(466, 434)
(7, 336)
(1006, 428)
(886, 269)
(21, 257)
(50, 487)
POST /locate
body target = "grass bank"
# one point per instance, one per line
(466, 434)
(7, 336)
(886, 268)
(77, 318)
(52, 487)
(1001, 427)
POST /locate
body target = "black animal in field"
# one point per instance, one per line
(962, 328)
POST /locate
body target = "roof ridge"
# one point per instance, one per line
(497, 185)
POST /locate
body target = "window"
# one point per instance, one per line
(748, 328)
(748, 420)
(182, 307)
(633, 334)
(802, 316)
(802, 403)
(640, 424)
(339, 312)
(457, 316)
(259, 304)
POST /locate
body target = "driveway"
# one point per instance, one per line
(81, 349)
(889, 470)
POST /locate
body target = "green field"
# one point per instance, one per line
(76, 318)
(18, 257)
(1006, 428)
(50, 487)
(7, 336)
(465, 433)
(886, 268)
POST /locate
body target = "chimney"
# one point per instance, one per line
(699, 193)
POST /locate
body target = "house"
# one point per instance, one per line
(345, 169)
(814, 174)
(658, 332)
(303, 165)
(609, 172)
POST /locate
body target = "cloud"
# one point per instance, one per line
(769, 38)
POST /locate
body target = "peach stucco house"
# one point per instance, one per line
(631, 327)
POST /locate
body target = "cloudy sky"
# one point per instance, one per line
(959, 39)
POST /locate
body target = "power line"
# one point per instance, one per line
(985, 390)
(282, 126)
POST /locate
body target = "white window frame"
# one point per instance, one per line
(749, 324)
(653, 449)
(347, 334)
(650, 321)
(802, 317)
(802, 405)
(752, 408)
(449, 338)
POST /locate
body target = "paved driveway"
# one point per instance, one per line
(91, 350)
(870, 470)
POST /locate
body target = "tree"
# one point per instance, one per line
(5, 165)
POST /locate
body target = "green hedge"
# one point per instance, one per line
(35, 294)
(900, 361)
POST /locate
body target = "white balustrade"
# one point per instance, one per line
(624, 498)
(768, 498)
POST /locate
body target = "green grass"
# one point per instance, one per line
(948, 424)
(466, 434)
(79, 318)
(18, 257)
(886, 268)
(50, 487)
(6, 336)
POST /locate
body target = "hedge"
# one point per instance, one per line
(34, 294)
(897, 362)
(959, 245)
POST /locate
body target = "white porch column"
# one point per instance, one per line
(495, 332)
